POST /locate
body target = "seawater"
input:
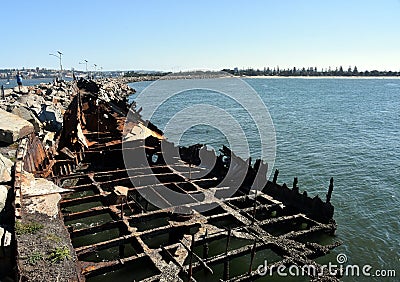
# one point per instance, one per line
(348, 129)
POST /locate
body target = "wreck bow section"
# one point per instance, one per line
(117, 233)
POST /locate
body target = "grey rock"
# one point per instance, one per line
(3, 196)
(8, 92)
(24, 90)
(12, 127)
(5, 169)
(21, 112)
(45, 85)
(28, 115)
(11, 153)
(12, 100)
(33, 102)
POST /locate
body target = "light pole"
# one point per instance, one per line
(59, 56)
(84, 62)
(95, 69)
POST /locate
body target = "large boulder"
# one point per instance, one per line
(3, 196)
(28, 115)
(41, 195)
(22, 90)
(33, 102)
(8, 92)
(5, 169)
(12, 127)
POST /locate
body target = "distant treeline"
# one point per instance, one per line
(311, 71)
(140, 74)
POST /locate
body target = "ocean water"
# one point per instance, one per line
(348, 129)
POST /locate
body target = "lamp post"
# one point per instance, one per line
(84, 62)
(59, 56)
(95, 69)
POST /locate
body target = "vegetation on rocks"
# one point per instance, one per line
(53, 237)
(27, 228)
(59, 254)
(56, 255)
(34, 258)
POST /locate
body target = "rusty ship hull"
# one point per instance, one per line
(162, 244)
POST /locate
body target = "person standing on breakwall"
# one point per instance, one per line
(19, 81)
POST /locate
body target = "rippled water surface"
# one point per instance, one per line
(348, 129)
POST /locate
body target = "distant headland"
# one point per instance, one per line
(310, 71)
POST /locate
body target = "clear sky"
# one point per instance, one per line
(207, 34)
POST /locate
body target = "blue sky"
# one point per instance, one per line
(208, 34)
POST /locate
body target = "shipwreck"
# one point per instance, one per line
(111, 231)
